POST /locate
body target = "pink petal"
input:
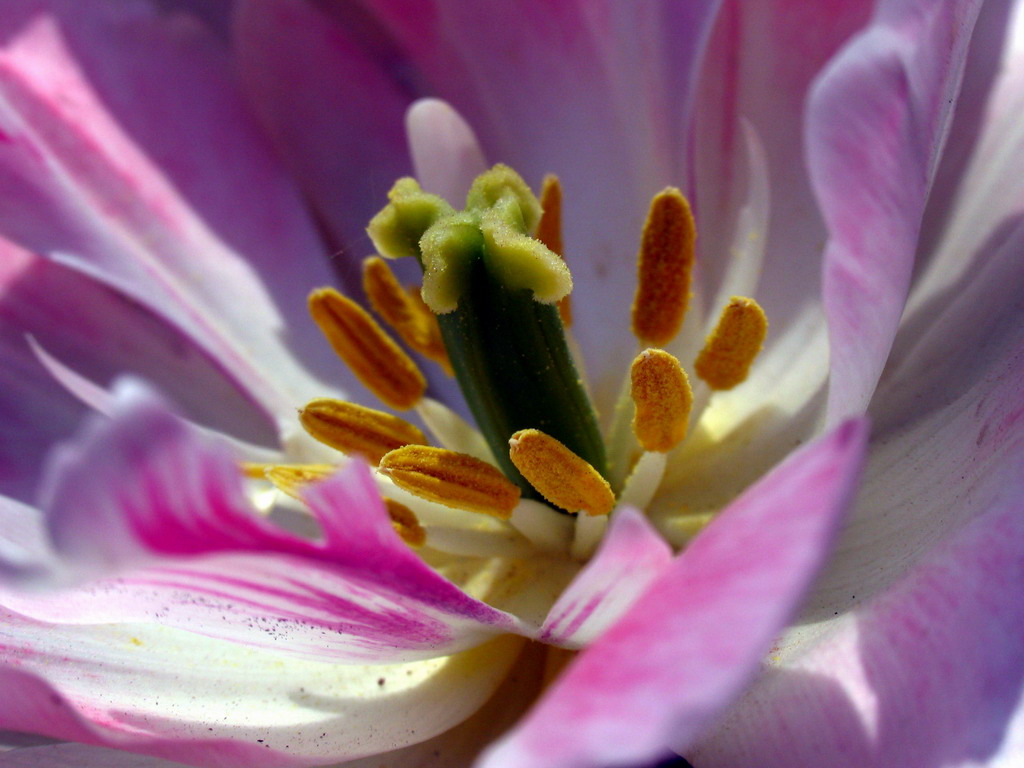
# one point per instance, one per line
(24, 544)
(336, 113)
(630, 557)
(930, 673)
(760, 65)
(333, 110)
(948, 426)
(97, 333)
(131, 159)
(690, 643)
(162, 692)
(145, 491)
(978, 197)
(79, 756)
(445, 153)
(876, 122)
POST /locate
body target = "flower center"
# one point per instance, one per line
(494, 312)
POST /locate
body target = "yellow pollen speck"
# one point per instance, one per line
(663, 398)
(731, 348)
(549, 232)
(289, 478)
(664, 269)
(135, 641)
(454, 479)
(405, 523)
(558, 474)
(404, 311)
(352, 428)
(374, 358)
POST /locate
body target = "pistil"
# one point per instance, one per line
(494, 288)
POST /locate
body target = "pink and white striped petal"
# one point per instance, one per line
(691, 642)
(172, 694)
(876, 122)
(130, 157)
(155, 517)
(630, 557)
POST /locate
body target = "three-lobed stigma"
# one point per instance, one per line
(494, 311)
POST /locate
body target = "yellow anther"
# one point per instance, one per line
(549, 232)
(374, 358)
(354, 428)
(663, 398)
(558, 474)
(664, 269)
(453, 479)
(412, 320)
(405, 523)
(731, 348)
(289, 478)
(254, 470)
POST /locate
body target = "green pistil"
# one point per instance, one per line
(494, 290)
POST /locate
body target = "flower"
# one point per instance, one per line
(152, 229)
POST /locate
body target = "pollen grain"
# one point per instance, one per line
(664, 269)
(559, 475)
(352, 428)
(453, 479)
(375, 359)
(731, 348)
(662, 398)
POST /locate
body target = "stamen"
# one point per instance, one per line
(376, 360)
(453, 479)
(561, 477)
(352, 428)
(664, 269)
(549, 232)
(404, 311)
(289, 478)
(405, 523)
(662, 397)
(731, 348)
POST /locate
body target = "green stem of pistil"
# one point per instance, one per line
(514, 367)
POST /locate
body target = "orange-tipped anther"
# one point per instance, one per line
(558, 474)
(662, 397)
(290, 478)
(412, 320)
(731, 348)
(405, 523)
(453, 479)
(352, 428)
(664, 269)
(369, 352)
(549, 232)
